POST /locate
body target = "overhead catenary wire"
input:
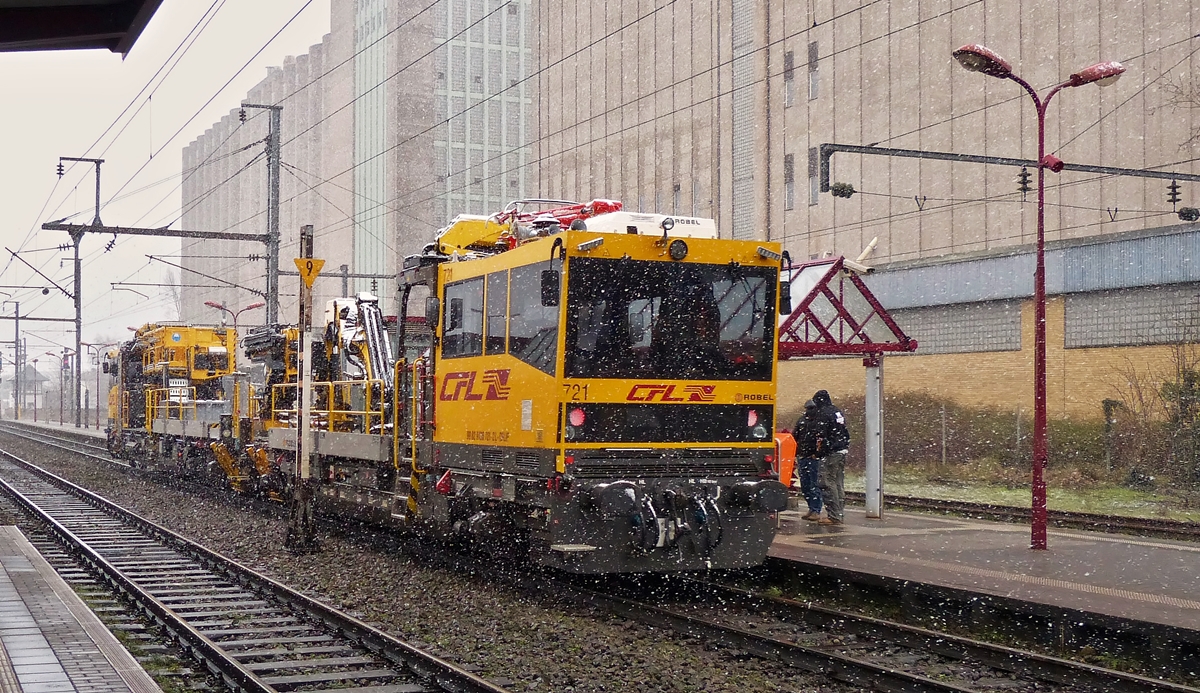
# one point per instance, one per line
(217, 93)
(193, 31)
(501, 173)
(604, 114)
(118, 195)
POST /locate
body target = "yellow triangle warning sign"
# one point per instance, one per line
(309, 269)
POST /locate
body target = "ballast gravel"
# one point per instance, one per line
(523, 643)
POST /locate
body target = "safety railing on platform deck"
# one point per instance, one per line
(333, 407)
(177, 403)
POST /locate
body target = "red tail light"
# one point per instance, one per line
(752, 418)
(576, 417)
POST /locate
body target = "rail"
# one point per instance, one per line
(1111, 524)
(226, 605)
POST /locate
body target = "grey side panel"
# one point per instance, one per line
(359, 446)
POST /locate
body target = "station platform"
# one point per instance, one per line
(1121, 577)
(50, 641)
(68, 428)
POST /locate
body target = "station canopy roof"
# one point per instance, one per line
(40, 25)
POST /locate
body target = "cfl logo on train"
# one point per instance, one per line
(461, 385)
(643, 392)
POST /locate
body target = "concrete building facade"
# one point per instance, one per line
(384, 139)
(719, 107)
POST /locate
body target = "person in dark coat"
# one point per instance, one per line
(807, 433)
(835, 439)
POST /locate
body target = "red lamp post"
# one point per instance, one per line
(977, 58)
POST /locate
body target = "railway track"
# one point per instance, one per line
(250, 631)
(82, 444)
(1111, 524)
(857, 650)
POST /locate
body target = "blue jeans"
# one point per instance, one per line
(807, 468)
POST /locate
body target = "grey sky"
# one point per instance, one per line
(58, 104)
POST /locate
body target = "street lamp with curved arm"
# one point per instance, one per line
(62, 368)
(97, 348)
(977, 58)
(35, 389)
(234, 313)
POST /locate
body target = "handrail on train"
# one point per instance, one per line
(331, 418)
(171, 403)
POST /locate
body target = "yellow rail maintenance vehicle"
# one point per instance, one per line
(352, 409)
(172, 396)
(590, 386)
(602, 387)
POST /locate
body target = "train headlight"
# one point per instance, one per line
(677, 250)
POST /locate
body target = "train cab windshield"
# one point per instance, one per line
(670, 320)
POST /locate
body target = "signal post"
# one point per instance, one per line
(301, 533)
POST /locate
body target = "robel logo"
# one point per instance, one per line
(461, 385)
(643, 392)
(740, 397)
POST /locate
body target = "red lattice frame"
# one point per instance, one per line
(804, 334)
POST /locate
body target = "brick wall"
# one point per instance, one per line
(1077, 379)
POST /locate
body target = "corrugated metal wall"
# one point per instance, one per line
(1162, 259)
(1168, 257)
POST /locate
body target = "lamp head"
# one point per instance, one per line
(257, 304)
(1103, 74)
(214, 304)
(977, 58)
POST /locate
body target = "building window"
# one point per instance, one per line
(814, 177)
(789, 181)
(678, 200)
(813, 75)
(789, 79)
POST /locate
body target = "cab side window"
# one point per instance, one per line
(497, 312)
(532, 327)
(462, 334)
